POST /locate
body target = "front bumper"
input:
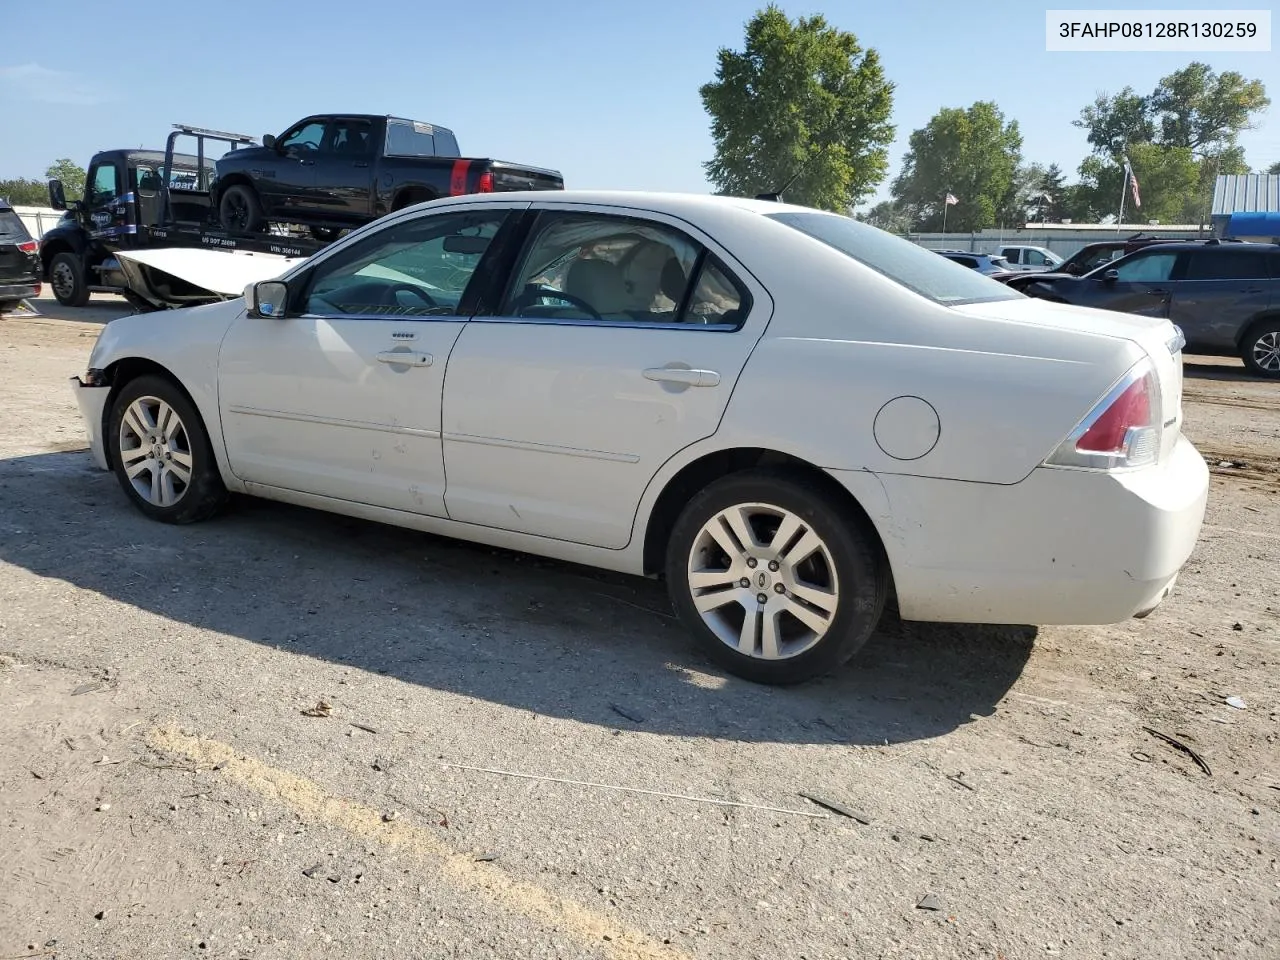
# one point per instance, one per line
(1060, 547)
(92, 401)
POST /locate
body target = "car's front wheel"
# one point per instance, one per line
(777, 579)
(1261, 349)
(161, 453)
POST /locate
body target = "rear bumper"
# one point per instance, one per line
(1061, 547)
(10, 290)
(92, 401)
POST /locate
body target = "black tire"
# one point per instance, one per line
(204, 494)
(240, 210)
(8, 305)
(1258, 348)
(860, 570)
(66, 277)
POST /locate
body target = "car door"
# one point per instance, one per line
(103, 213)
(1140, 283)
(617, 344)
(1224, 287)
(343, 176)
(340, 397)
(291, 184)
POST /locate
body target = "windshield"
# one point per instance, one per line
(407, 138)
(12, 227)
(920, 270)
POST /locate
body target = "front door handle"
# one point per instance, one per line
(405, 358)
(1157, 293)
(361, 163)
(690, 378)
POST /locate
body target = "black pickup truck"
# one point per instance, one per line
(333, 171)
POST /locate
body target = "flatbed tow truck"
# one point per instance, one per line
(144, 214)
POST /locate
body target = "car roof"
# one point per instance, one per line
(669, 202)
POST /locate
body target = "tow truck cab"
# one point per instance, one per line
(123, 199)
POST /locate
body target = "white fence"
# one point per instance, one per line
(39, 220)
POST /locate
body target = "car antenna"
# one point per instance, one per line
(776, 195)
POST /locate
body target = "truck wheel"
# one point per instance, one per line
(66, 276)
(240, 210)
(1260, 350)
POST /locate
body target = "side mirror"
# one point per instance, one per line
(57, 195)
(1111, 276)
(269, 141)
(268, 299)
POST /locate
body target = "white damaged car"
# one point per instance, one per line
(784, 412)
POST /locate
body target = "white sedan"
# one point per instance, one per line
(786, 413)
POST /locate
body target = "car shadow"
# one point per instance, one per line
(547, 637)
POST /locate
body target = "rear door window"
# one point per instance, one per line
(12, 228)
(1010, 254)
(1226, 264)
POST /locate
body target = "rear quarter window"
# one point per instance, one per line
(919, 270)
(12, 227)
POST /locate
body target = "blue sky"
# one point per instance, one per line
(604, 91)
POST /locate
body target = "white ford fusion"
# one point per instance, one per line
(784, 412)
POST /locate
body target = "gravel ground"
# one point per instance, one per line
(164, 793)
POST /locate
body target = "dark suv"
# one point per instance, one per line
(1224, 295)
(19, 260)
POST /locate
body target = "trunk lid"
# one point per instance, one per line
(1161, 340)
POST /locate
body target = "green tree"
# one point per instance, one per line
(1179, 138)
(1053, 195)
(1274, 169)
(801, 106)
(71, 175)
(888, 215)
(972, 154)
(24, 192)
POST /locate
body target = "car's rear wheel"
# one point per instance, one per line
(240, 210)
(66, 277)
(778, 580)
(8, 305)
(1261, 349)
(161, 454)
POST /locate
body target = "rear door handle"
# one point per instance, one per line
(361, 163)
(690, 378)
(1157, 293)
(405, 358)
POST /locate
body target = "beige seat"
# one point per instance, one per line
(600, 284)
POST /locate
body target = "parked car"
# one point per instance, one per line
(19, 260)
(1223, 295)
(784, 412)
(1093, 255)
(1021, 258)
(337, 171)
(982, 262)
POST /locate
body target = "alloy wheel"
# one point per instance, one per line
(155, 451)
(1266, 351)
(763, 581)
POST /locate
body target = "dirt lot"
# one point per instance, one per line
(163, 794)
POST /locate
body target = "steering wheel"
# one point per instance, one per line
(568, 298)
(409, 288)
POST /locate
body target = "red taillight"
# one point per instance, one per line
(1122, 431)
(485, 184)
(29, 247)
(1110, 431)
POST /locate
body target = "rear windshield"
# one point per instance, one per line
(407, 138)
(916, 268)
(12, 227)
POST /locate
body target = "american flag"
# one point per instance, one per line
(1133, 183)
(952, 201)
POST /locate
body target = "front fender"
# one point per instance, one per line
(184, 344)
